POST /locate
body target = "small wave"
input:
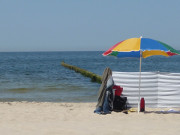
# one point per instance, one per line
(8, 99)
(20, 90)
(50, 89)
(63, 87)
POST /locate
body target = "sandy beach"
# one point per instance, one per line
(45, 118)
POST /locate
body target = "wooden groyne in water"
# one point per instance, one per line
(93, 76)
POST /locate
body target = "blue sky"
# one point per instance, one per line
(85, 25)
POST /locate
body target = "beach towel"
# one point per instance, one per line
(105, 90)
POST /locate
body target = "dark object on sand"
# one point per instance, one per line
(119, 103)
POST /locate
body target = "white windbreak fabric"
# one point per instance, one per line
(158, 89)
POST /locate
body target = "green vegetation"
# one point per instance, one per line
(94, 77)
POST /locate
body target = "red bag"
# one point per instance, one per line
(118, 90)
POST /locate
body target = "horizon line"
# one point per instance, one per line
(46, 51)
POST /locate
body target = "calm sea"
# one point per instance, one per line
(38, 76)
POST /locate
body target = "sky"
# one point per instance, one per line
(85, 25)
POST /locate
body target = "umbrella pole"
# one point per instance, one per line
(139, 82)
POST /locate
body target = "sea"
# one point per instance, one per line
(39, 76)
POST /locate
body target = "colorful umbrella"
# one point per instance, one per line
(140, 48)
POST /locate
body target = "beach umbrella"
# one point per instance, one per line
(140, 48)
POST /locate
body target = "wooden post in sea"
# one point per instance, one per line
(93, 76)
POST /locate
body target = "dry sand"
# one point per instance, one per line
(31, 118)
